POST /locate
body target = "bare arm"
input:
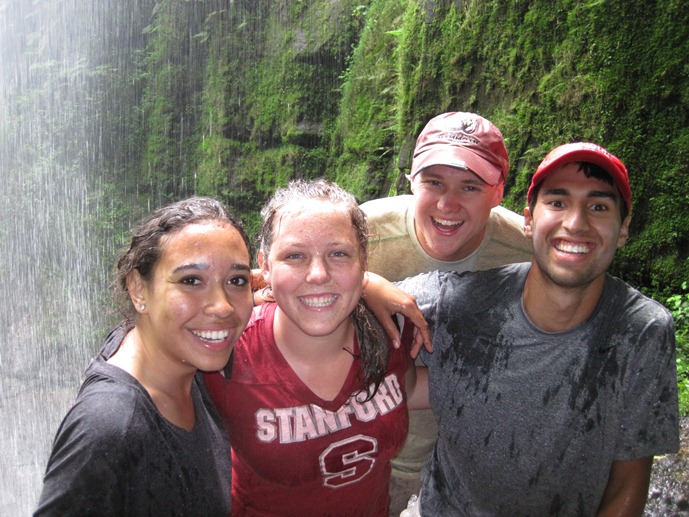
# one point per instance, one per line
(384, 300)
(416, 386)
(627, 489)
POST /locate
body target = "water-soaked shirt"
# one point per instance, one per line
(115, 454)
(529, 421)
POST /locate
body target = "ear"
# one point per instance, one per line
(263, 264)
(624, 232)
(136, 287)
(528, 220)
(498, 193)
(413, 183)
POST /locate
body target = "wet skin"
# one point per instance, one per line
(451, 209)
(198, 300)
(315, 270)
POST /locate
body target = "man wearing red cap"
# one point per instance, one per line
(452, 222)
(553, 383)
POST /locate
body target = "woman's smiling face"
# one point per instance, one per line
(314, 267)
(198, 298)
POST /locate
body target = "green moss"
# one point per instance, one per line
(342, 89)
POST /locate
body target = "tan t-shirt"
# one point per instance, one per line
(395, 253)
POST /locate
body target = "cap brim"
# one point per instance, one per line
(460, 158)
(590, 156)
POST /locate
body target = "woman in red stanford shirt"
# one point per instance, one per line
(314, 396)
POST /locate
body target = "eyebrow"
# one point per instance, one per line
(592, 193)
(473, 179)
(204, 266)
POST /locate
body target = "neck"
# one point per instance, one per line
(556, 308)
(293, 341)
(167, 384)
(321, 362)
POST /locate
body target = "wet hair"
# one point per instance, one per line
(590, 170)
(149, 237)
(373, 341)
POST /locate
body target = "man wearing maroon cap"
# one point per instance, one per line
(553, 383)
(452, 222)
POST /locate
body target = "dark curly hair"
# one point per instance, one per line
(146, 244)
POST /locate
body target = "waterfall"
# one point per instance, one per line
(55, 239)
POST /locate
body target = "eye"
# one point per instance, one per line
(598, 207)
(190, 280)
(238, 281)
(432, 183)
(556, 203)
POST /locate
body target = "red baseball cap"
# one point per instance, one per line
(462, 140)
(584, 152)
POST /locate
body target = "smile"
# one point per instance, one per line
(212, 336)
(568, 247)
(445, 223)
(318, 301)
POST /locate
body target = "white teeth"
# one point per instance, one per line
(445, 222)
(572, 248)
(320, 301)
(212, 335)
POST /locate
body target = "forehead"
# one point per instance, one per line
(570, 179)
(449, 173)
(317, 221)
(217, 238)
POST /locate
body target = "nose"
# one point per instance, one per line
(576, 220)
(318, 272)
(449, 202)
(218, 303)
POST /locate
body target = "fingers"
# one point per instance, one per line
(422, 334)
(392, 331)
(257, 281)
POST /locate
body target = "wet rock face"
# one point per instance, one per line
(668, 494)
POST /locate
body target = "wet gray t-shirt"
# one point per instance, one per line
(529, 421)
(115, 454)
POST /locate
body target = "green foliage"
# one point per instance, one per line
(233, 99)
(679, 306)
(342, 89)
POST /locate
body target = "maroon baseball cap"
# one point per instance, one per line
(463, 140)
(584, 152)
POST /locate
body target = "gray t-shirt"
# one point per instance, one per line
(529, 421)
(115, 454)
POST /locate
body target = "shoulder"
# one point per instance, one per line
(97, 428)
(506, 216)
(259, 327)
(106, 407)
(637, 319)
(494, 278)
(470, 291)
(386, 207)
(486, 287)
(507, 227)
(633, 304)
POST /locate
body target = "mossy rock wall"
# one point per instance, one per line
(285, 89)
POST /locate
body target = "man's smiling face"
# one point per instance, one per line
(575, 226)
(451, 210)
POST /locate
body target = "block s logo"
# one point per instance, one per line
(347, 461)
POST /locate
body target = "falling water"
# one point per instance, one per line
(71, 101)
(54, 233)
